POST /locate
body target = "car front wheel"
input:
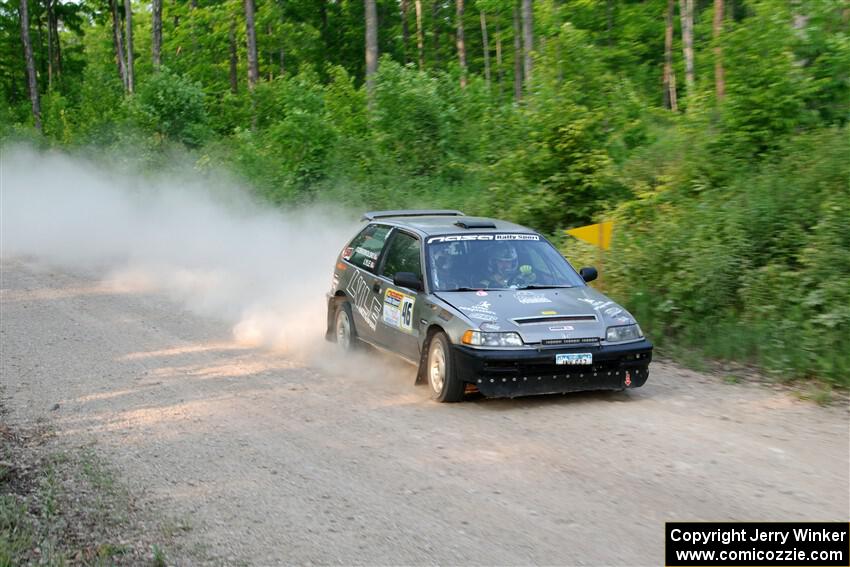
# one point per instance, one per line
(442, 378)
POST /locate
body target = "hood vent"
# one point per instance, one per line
(555, 319)
(474, 223)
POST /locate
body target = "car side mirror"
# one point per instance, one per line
(588, 274)
(408, 280)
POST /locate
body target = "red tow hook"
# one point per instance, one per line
(628, 379)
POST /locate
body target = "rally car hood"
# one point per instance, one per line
(540, 314)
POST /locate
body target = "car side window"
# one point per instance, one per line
(366, 247)
(402, 256)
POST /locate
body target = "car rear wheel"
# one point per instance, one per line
(344, 333)
(442, 378)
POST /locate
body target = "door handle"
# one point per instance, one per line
(376, 286)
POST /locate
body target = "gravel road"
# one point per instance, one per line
(272, 459)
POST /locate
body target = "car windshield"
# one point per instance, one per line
(496, 261)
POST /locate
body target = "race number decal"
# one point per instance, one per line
(398, 310)
(407, 313)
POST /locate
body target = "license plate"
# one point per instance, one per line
(580, 358)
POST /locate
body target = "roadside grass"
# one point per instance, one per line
(821, 394)
(67, 507)
(733, 372)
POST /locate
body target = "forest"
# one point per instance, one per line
(714, 133)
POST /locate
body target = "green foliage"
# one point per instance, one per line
(767, 86)
(757, 269)
(172, 106)
(411, 119)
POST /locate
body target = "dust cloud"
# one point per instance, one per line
(195, 236)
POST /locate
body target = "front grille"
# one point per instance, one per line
(588, 340)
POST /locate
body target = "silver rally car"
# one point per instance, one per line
(481, 302)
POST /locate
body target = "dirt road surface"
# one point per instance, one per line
(272, 460)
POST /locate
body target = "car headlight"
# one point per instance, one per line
(483, 338)
(623, 333)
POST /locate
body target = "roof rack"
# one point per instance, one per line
(372, 215)
(475, 224)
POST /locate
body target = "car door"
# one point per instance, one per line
(362, 256)
(398, 329)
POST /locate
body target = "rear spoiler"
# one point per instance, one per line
(372, 215)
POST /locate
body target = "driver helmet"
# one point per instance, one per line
(504, 260)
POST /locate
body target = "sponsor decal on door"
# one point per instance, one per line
(398, 310)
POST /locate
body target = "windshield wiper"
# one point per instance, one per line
(541, 286)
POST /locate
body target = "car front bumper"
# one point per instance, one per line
(511, 373)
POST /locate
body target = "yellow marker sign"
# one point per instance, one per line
(596, 234)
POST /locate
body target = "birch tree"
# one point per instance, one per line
(686, 14)
(32, 81)
(53, 47)
(461, 45)
(156, 31)
(528, 38)
(250, 31)
(128, 20)
(719, 73)
(486, 46)
(118, 42)
(420, 35)
(371, 45)
(405, 31)
(669, 75)
(517, 56)
(231, 36)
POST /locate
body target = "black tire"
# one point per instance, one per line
(440, 371)
(343, 317)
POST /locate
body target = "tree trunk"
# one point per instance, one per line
(719, 74)
(32, 83)
(499, 62)
(669, 76)
(282, 48)
(234, 78)
(270, 36)
(323, 18)
(193, 36)
(799, 24)
(156, 26)
(461, 46)
(128, 19)
(253, 65)
(118, 42)
(686, 8)
(486, 43)
(435, 18)
(42, 60)
(517, 56)
(50, 44)
(405, 31)
(57, 45)
(371, 45)
(528, 38)
(420, 36)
